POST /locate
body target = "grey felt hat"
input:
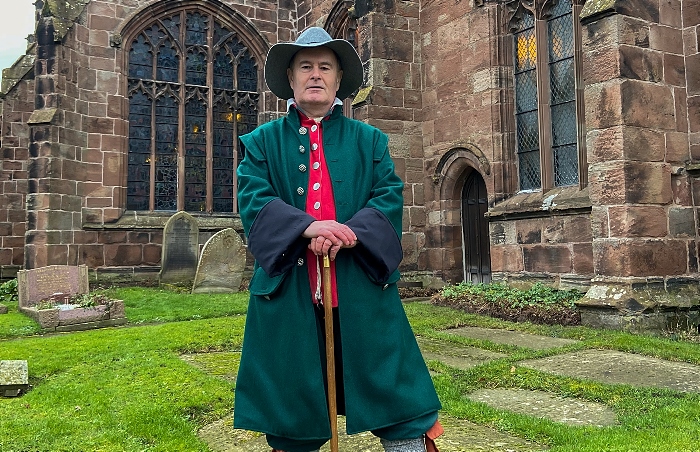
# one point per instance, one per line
(280, 56)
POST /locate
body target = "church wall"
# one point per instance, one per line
(17, 107)
(77, 175)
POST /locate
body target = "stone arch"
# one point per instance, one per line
(227, 15)
(342, 24)
(456, 166)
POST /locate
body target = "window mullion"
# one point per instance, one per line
(181, 117)
(209, 124)
(543, 102)
(579, 88)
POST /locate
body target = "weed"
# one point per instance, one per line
(8, 290)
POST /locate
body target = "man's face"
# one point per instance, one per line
(315, 78)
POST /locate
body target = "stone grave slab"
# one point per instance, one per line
(614, 367)
(14, 377)
(542, 404)
(45, 295)
(41, 283)
(516, 338)
(460, 356)
(459, 436)
(180, 249)
(221, 264)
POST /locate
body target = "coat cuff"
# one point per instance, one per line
(275, 238)
(378, 251)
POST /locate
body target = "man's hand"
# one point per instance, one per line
(328, 237)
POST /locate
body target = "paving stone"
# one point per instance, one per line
(532, 341)
(460, 436)
(14, 377)
(549, 406)
(615, 367)
(455, 355)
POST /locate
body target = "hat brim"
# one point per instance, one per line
(280, 56)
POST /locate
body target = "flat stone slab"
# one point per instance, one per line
(14, 377)
(548, 406)
(613, 367)
(460, 436)
(516, 338)
(455, 355)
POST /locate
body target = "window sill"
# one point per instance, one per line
(559, 201)
(156, 220)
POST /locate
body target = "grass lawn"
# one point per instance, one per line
(126, 388)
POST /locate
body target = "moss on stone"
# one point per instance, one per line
(64, 14)
(593, 7)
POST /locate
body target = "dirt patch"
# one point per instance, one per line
(543, 315)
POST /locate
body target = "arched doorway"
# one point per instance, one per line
(475, 230)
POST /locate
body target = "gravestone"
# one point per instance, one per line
(47, 294)
(3, 309)
(14, 378)
(221, 265)
(180, 249)
(39, 284)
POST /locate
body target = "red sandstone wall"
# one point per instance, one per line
(17, 107)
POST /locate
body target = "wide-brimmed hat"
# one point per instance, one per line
(280, 56)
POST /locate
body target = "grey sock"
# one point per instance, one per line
(404, 445)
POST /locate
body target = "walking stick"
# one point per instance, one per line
(330, 351)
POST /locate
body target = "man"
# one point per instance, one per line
(315, 183)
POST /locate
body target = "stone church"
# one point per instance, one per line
(539, 140)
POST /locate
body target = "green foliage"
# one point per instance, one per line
(537, 295)
(8, 291)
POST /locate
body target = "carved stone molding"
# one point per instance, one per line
(540, 9)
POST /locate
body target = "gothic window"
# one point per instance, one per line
(548, 100)
(193, 90)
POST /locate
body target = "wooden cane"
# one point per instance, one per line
(330, 352)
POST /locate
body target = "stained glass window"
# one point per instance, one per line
(562, 85)
(526, 119)
(193, 90)
(558, 152)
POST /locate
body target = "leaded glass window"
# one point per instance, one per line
(528, 146)
(562, 88)
(547, 132)
(193, 90)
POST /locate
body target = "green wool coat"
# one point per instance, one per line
(280, 385)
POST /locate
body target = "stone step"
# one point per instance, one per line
(508, 337)
(614, 367)
(542, 404)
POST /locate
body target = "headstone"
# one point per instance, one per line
(46, 295)
(3, 309)
(39, 284)
(221, 265)
(14, 377)
(180, 249)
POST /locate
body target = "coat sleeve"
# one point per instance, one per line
(378, 224)
(273, 227)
